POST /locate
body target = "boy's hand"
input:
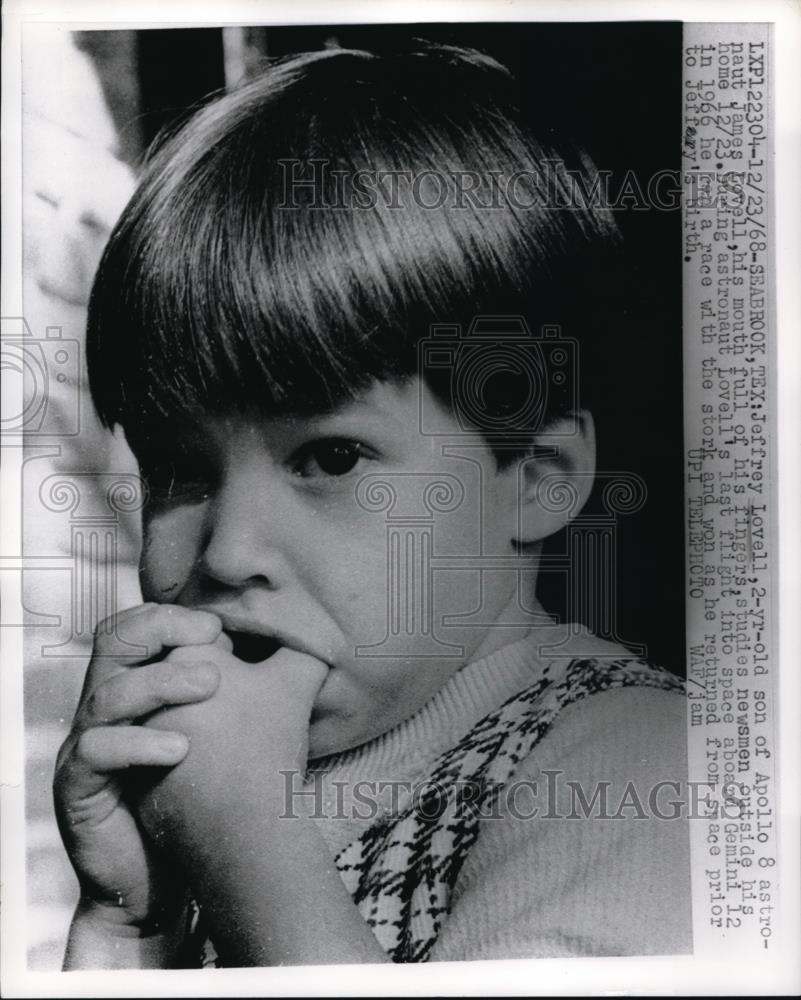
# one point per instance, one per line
(124, 881)
(268, 886)
(254, 726)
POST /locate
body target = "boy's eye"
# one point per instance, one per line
(329, 457)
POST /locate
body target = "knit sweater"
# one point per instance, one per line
(573, 850)
(540, 885)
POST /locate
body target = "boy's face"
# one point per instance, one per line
(260, 521)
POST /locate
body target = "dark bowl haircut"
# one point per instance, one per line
(254, 270)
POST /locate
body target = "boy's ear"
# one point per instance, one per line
(556, 479)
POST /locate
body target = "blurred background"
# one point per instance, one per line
(93, 103)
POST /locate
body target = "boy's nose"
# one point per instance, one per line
(246, 534)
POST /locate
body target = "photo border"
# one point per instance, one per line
(683, 975)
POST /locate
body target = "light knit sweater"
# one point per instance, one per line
(543, 886)
(559, 882)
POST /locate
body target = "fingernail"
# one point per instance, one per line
(173, 742)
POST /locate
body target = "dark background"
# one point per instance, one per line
(615, 89)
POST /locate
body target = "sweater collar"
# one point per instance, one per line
(466, 697)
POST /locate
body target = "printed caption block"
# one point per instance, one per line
(732, 668)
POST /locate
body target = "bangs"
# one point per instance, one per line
(295, 241)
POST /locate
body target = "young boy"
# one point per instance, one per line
(343, 724)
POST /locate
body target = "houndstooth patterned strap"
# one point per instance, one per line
(402, 870)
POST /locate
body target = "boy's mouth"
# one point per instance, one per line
(252, 647)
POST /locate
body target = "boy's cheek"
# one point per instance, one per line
(170, 548)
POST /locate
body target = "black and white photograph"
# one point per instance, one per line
(393, 440)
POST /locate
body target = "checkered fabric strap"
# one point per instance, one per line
(402, 870)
